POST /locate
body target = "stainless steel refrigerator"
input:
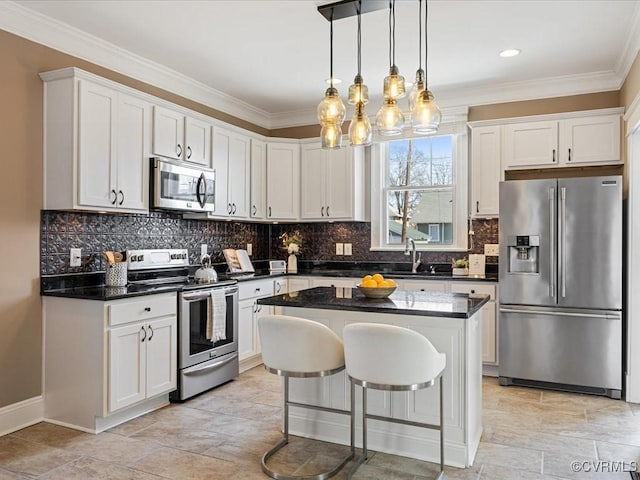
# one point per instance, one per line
(561, 284)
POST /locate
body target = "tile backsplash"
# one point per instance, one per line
(96, 232)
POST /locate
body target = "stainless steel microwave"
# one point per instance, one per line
(182, 186)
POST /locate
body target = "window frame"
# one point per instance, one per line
(379, 229)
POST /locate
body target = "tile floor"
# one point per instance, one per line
(528, 434)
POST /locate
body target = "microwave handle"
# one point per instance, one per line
(202, 197)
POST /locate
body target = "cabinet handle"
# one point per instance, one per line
(473, 291)
(255, 210)
(257, 290)
(553, 159)
(322, 211)
(569, 159)
(327, 210)
(179, 150)
(278, 288)
(477, 206)
(115, 197)
(147, 309)
(122, 199)
(234, 208)
(229, 208)
(188, 152)
(150, 336)
(145, 334)
(255, 308)
(269, 211)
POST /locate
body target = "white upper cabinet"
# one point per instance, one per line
(283, 181)
(592, 139)
(96, 145)
(486, 171)
(181, 137)
(231, 161)
(258, 207)
(332, 185)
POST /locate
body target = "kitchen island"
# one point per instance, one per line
(453, 324)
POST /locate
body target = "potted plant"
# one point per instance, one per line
(292, 243)
(459, 266)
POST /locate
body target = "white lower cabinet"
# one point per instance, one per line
(249, 352)
(340, 282)
(422, 286)
(108, 362)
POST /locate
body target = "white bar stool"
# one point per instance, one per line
(296, 347)
(387, 357)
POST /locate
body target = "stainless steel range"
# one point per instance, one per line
(207, 319)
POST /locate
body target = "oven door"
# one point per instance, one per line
(194, 346)
(183, 187)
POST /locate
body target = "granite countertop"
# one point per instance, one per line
(439, 276)
(454, 305)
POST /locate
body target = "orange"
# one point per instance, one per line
(377, 277)
(365, 278)
(388, 283)
(369, 283)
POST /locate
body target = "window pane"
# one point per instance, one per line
(420, 162)
(417, 213)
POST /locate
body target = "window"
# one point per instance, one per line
(419, 191)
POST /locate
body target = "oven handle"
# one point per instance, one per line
(206, 294)
(201, 370)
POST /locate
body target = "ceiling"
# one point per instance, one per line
(269, 59)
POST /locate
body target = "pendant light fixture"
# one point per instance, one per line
(360, 127)
(425, 114)
(418, 85)
(331, 110)
(390, 119)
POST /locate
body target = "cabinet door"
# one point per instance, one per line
(297, 284)
(313, 163)
(489, 333)
(280, 286)
(97, 146)
(530, 145)
(238, 175)
(334, 282)
(168, 133)
(221, 150)
(197, 139)
(590, 140)
(283, 181)
(423, 285)
(339, 184)
(162, 355)
(246, 329)
(133, 134)
(258, 179)
(127, 365)
(486, 170)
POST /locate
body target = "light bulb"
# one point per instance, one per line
(360, 128)
(393, 84)
(331, 109)
(426, 115)
(389, 120)
(358, 92)
(331, 136)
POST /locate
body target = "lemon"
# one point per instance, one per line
(378, 278)
(388, 283)
(369, 283)
(365, 278)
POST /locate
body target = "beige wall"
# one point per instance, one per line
(631, 87)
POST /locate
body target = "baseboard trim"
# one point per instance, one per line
(20, 415)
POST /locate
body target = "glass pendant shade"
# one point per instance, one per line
(331, 136)
(394, 86)
(358, 92)
(331, 110)
(360, 132)
(416, 90)
(426, 115)
(390, 119)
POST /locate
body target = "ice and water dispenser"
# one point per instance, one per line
(524, 253)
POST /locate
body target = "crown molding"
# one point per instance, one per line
(631, 48)
(60, 36)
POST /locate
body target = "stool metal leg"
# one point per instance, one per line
(363, 457)
(441, 474)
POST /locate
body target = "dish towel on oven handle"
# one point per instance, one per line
(217, 316)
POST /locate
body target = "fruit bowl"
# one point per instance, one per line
(376, 292)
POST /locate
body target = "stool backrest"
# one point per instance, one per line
(390, 355)
(294, 344)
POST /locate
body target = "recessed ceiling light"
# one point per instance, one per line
(510, 52)
(336, 81)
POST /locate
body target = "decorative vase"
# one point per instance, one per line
(460, 271)
(292, 264)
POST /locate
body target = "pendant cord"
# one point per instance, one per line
(393, 14)
(420, 34)
(331, 49)
(359, 36)
(426, 42)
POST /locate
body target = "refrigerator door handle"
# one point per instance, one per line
(552, 234)
(563, 241)
(608, 316)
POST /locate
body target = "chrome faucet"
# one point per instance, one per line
(411, 244)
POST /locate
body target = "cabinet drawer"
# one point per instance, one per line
(144, 308)
(255, 289)
(423, 286)
(464, 287)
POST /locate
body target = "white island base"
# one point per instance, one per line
(458, 338)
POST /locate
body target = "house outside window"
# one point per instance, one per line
(419, 191)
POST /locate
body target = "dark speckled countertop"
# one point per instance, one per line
(454, 305)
